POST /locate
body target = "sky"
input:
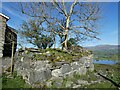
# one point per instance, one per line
(108, 24)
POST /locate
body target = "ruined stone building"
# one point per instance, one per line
(7, 35)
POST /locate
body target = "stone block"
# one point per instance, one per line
(37, 76)
(57, 82)
(81, 71)
(68, 84)
(66, 68)
(40, 65)
(74, 65)
(56, 73)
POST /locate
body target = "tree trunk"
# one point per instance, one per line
(54, 43)
(65, 42)
(66, 33)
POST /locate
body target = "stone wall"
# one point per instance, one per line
(2, 33)
(7, 35)
(2, 38)
(46, 72)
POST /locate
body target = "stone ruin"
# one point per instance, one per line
(45, 72)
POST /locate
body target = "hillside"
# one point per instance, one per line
(110, 52)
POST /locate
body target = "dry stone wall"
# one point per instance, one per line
(47, 72)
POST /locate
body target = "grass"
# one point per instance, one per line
(90, 76)
(77, 77)
(101, 56)
(58, 55)
(13, 81)
(111, 72)
(101, 85)
(17, 82)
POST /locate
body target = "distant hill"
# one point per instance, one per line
(105, 51)
(103, 47)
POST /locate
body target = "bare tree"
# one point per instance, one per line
(82, 16)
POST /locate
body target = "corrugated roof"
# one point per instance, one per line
(4, 16)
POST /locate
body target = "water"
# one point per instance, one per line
(110, 62)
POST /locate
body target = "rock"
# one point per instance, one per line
(38, 76)
(48, 66)
(38, 85)
(42, 75)
(69, 74)
(68, 84)
(58, 57)
(57, 82)
(98, 81)
(56, 73)
(25, 74)
(48, 53)
(76, 86)
(26, 65)
(31, 78)
(48, 74)
(91, 68)
(40, 65)
(65, 68)
(30, 54)
(82, 60)
(74, 65)
(87, 64)
(82, 82)
(49, 84)
(35, 71)
(81, 71)
(22, 58)
(17, 65)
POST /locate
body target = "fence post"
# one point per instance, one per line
(12, 57)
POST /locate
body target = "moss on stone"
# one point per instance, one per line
(59, 55)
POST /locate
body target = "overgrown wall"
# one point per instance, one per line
(44, 71)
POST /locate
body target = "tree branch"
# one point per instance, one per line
(72, 6)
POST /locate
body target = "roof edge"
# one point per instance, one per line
(4, 16)
(12, 29)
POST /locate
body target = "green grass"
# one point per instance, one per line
(101, 85)
(90, 76)
(106, 54)
(110, 70)
(77, 77)
(58, 55)
(13, 81)
(17, 81)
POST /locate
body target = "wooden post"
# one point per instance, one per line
(12, 56)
